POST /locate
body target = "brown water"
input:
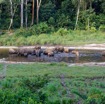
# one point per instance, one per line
(85, 56)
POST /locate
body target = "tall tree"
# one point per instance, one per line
(78, 11)
(11, 20)
(38, 7)
(26, 15)
(33, 7)
(21, 13)
(13, 10)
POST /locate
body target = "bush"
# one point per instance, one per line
(23, 32)
(93, 29)
(95, 97)
(62, 32)
(23, 90)
(102, 28)
(41, 28)
(51, 21)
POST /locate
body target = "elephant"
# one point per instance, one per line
(49, 52)
(38, 52)
(67, 50)
(13, 51)
(25, 51)
(75, 52)
(59, 48)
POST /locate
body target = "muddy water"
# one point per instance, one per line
(85, 56)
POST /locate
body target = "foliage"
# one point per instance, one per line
(41, 28)
(58, 14)
(22, 90)
(62, 32)
(60, 37)
(95, 97)
(40, 83)
(102, 28)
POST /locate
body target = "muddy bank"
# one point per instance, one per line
(68, 64)
(88, 64)
(83, 47)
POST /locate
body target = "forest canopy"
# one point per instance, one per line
(70, 14)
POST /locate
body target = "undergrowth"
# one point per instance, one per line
(61, 37)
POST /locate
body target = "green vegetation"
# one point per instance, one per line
(52, 83)
(53, 70)
(60, 37)
(71, 14)
(53, 22)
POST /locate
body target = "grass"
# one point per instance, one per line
(54, 70)
(66, 84)
(1, 67)
(73, 38)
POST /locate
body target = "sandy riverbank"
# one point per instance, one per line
(98, 47)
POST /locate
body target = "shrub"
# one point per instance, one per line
(51, 21)
(62, 32)
(41, 28)
(23, 90)
(102, 28)
(93, 29)
(23, 32)
(95, 97)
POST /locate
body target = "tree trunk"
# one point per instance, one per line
(38, 7)
(26, 16)
(11, 20)
(78, 11)
(90, 1)
(21, 13)
(33, 7)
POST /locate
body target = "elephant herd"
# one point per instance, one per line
(38, 51)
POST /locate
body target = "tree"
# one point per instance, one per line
(26, 16)
(78, 11)
(11, 20)
(13, 10)
(21, 13)
(33, 7)
(37, 11)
